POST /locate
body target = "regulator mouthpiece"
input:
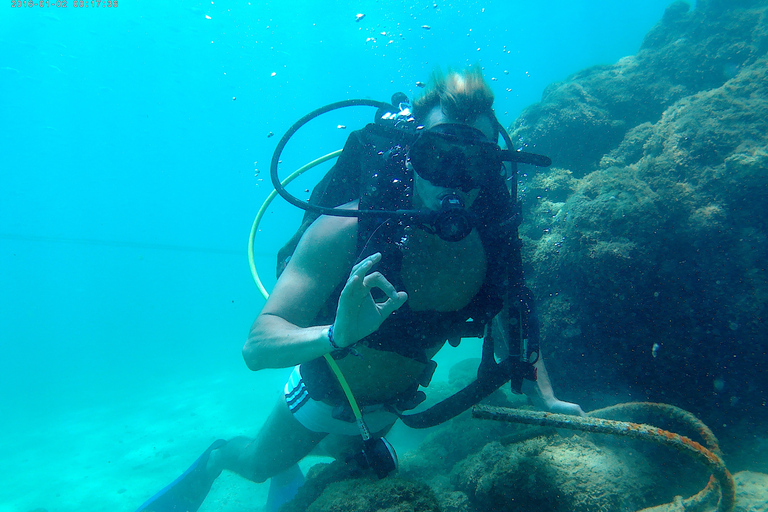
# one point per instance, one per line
(452, 222)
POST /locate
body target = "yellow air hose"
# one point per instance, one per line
(255, 274)
(260, 214)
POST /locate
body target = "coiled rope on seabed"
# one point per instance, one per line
(709, 456)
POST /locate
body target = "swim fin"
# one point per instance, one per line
(283, 487)
(186, 493)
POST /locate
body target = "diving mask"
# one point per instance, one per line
(456, 156)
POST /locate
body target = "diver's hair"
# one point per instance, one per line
(463, 96)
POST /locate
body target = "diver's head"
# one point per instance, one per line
(456, 152)
(463, 96)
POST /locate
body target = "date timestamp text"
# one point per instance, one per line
(64, 4)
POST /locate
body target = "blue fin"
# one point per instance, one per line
(283, 487)
(186, 493)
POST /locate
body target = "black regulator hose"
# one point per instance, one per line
(322, 210)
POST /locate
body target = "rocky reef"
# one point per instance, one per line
(647, 239)
(470, 465)
(338, 487)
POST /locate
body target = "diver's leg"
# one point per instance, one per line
(281, 443)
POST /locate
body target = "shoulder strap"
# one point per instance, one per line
(360, 171)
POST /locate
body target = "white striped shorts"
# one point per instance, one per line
(318, 416)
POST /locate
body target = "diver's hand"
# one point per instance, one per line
(560, 407)
(544, 399)
(357, 314)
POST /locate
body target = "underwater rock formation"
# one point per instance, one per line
(583, 118)
(562, 474)
(461, 437)
(338, 487)
(751, 492)
(543, 473)
(647, 240)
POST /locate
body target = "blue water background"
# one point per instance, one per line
(135, 154)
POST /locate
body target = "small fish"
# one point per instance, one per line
(270, 134)
(341, 127)
(426, 27)
(655, 349)
(359, 17)
(421, 84)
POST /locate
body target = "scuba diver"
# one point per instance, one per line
(417, 245)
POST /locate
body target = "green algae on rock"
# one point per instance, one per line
(658, 237)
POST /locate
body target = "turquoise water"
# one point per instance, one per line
(135, 156)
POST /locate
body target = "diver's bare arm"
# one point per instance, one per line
(543, 397)
(282, 335)
(539, 391)
(276, 343)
